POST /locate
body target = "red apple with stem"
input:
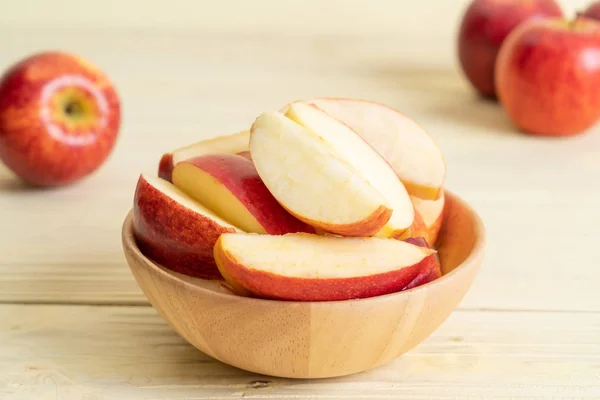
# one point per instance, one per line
(484, 26)
(59, 118)
(548, 76)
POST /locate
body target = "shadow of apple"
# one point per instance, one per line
(474, 112)
(9, 182)
(443, 93)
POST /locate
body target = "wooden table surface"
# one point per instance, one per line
(74, 324)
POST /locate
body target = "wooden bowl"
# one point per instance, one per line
(314, 339)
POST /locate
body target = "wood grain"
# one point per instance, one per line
(70, 352)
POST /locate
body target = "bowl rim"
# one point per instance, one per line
(128, 240)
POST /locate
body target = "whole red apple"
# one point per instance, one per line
(484, 26)
(548, 76)
(592, 11)
(59, 118)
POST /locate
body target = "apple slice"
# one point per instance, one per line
(365, 159)
(245, 154)
(230, 186)
(174, 230)
(417, 241)
(306, 267)
(165, 167)
(427, 274)
(227, 144)
(411, 152)
(418, 228)
(431, 214)
(311, 181)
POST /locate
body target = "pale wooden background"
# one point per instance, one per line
(71, 324)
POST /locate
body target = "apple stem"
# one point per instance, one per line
(72, 108)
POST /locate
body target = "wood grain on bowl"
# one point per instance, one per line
(314, 339)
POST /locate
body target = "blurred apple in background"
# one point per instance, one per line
(592, 11)
(484, 26)
(548, 76)
(59, 118)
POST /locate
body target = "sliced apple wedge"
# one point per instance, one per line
(227, 144)
(174, 230)
(411, 152)
(309, 179)
(165, 166)
(418, 228)
(431, 214)
(306, 267)
(427, 274)
(417, 241)
(245, 154)
(365, 159)
(229, 186)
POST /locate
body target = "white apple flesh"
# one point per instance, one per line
(364, 159)
(309, 179)
(406, 146)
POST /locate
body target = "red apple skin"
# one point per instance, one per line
(59, 118)
(483, 29)
(165, 167)
(428, 274)
(172, 238)
(277, 287)
(592, 11)
(239, 176)
(417, 241)
(548, 76)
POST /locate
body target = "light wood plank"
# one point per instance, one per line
(77, 283)
(266, 16)
(69, 352)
